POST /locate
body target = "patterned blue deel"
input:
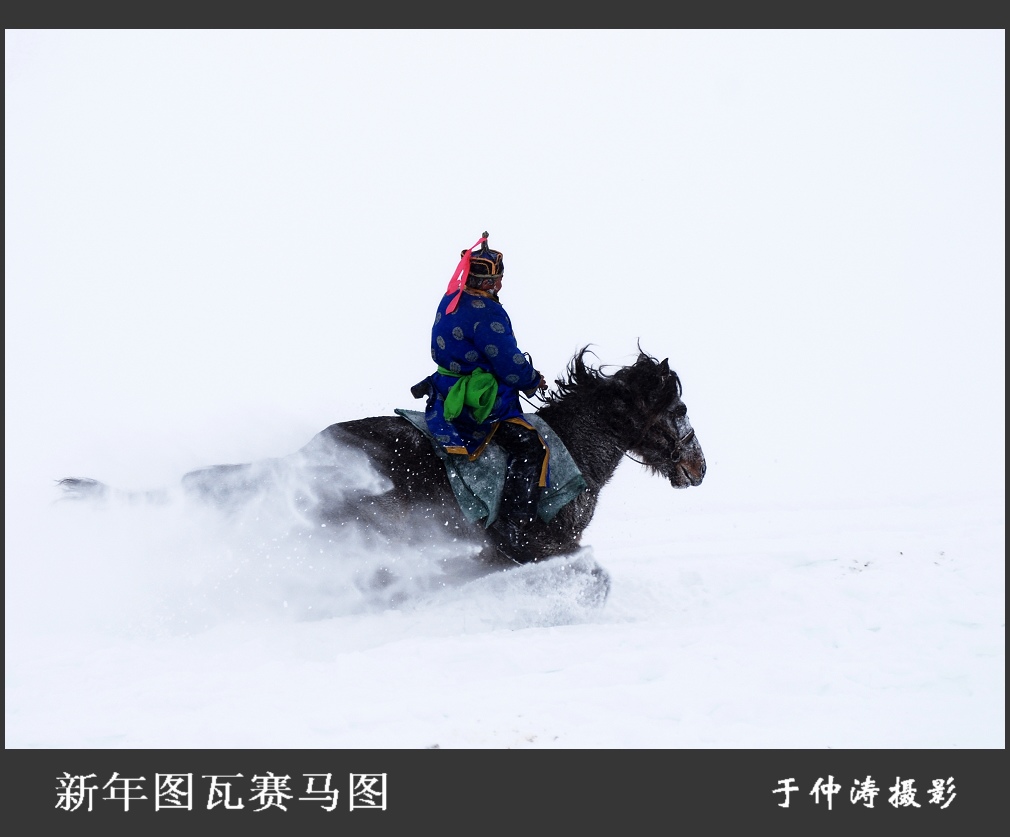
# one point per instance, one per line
(477, 335)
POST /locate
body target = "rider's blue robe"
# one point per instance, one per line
(477, 335)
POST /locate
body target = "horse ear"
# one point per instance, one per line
(664, 367)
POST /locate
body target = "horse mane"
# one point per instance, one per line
(647, 382)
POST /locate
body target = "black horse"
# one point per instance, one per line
(383, 475)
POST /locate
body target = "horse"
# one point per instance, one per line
(383, 475)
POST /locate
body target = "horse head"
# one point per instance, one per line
(653, 421)
(639, 409)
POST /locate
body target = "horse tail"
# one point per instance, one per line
(85, 488)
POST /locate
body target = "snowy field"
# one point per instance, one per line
(727, 625)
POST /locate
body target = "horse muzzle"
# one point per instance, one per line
(689, 469)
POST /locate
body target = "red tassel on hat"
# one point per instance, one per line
(459, 276)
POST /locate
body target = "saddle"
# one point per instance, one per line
(478, 484)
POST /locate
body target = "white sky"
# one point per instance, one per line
(219, 242)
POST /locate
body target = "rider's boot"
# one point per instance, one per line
(517, 514)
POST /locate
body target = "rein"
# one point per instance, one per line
(626, 451)
(652, 419)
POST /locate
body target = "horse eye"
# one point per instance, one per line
(680, 411)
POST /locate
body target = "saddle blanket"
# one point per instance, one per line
(478, 484)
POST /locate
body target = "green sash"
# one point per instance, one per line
(478, 391)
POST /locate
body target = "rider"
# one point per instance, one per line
(474, 394)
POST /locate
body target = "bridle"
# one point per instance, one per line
(626, 451)
(641, 436)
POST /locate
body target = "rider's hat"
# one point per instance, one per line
(478, 269)
(486, 267)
